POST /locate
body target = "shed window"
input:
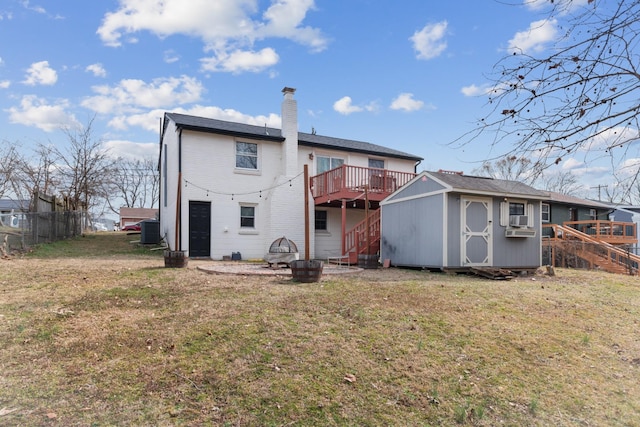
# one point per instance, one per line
(509, 210)
(246, 155)
(516, 209)
(592, 214)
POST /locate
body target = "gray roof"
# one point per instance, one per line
(203, 124)
(18, 205)
(571, 200)
(488, 186)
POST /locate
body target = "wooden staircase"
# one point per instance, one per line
(359, 240)
(568, 247)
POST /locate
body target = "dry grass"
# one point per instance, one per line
(106, 336)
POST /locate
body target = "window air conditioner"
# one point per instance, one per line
(518, 220)
(520, 232)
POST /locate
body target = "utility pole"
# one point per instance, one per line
(599, 187)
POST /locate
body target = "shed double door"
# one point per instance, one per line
(476, 222)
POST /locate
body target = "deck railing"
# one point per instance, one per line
(359, 241)
(614, 232)
(355, 179)
(592, 250)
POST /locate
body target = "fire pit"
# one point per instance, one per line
(282, 251)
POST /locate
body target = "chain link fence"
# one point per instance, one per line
(21, 231)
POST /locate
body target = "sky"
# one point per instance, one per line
(407, 75)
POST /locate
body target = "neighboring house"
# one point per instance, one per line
(450, 221)
(582, 233)
(562, 208)
(229, 187)
(11, 212)
(130, 216)
(628, 214)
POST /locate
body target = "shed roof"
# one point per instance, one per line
(203, 124)
(486, 186)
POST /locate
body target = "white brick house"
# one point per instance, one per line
(229, 187)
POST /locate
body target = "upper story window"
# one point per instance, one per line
(246, 155)
(327, 163)
(593, 215)
(376, 163)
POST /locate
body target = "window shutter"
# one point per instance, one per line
(504, 214)
(529, 214)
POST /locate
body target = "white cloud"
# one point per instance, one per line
(150, 120)
(429, 42)
(131, 150)
(617, 136)
(405, 102)
(40, 73)
(97, 70)
(34, 111)
(4, 84)
(239, 61)
(474, 90)
(345, 106)
(37, 9)
(170, 56)
(226, 27)
(535, 38)
(130, 95)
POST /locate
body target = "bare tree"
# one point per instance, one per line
(135, 182)
(560, 182)
(511, 168)
(37, 173)
(9, 159)
(583, 94)
(85, 168)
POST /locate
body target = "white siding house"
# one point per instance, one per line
(229, 187)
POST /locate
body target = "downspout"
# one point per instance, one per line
(160, 157)
(415, 167)
(179, 219)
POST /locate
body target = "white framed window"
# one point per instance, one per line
(246, 155)
(325, 163)
(247, 217)
(515, 212)
(545, 213)
(593, 215)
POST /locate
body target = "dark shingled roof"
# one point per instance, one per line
(222, 127)
(571, 200)
(484, 185)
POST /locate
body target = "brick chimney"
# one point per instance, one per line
(289, 132)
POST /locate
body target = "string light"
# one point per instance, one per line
(259, 192)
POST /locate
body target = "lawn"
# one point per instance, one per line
(96, 332)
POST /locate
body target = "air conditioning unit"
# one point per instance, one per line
(520, 232)
(518, 220)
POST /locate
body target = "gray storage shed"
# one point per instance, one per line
(450, 221)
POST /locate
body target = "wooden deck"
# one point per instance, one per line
(613, 232)
(351, 182)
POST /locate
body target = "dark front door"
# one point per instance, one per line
(199, 229)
